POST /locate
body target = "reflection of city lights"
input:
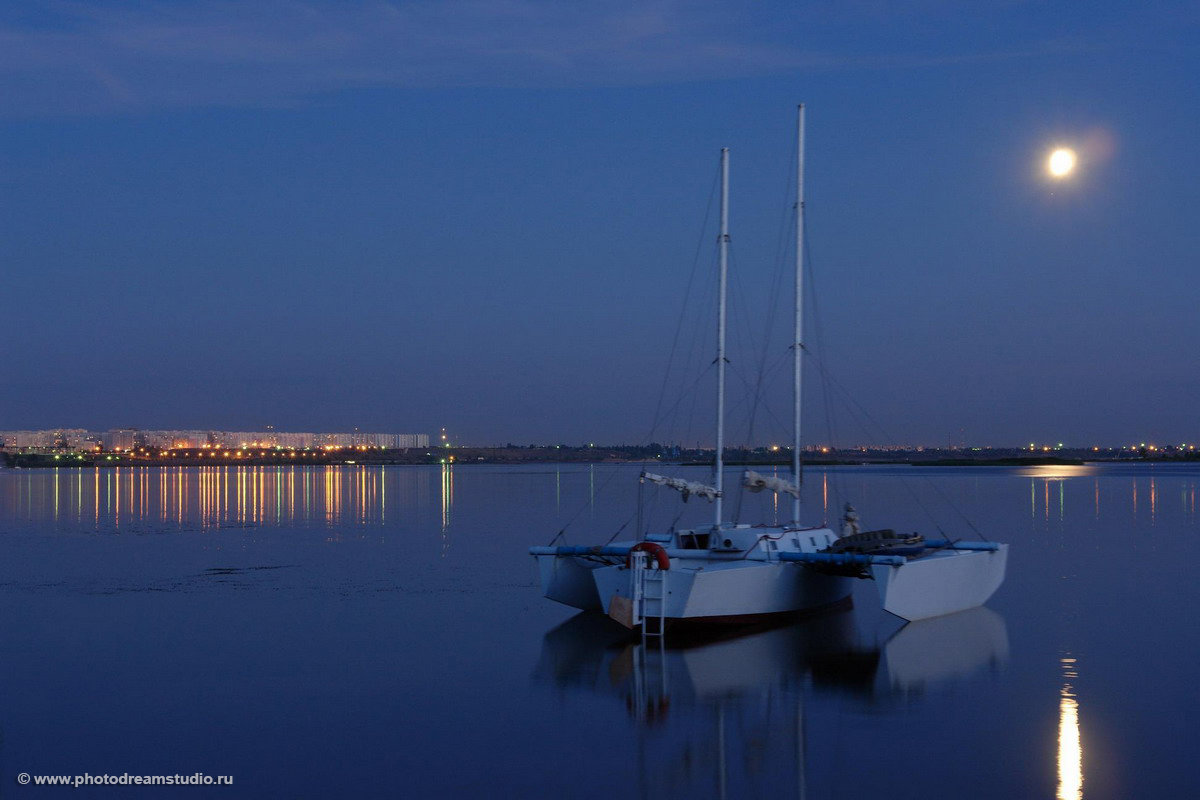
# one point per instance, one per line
(447, 499)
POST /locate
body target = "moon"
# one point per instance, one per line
(1061, 162)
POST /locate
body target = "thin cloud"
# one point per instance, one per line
(97, 58)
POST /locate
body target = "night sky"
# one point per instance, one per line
(483, 215)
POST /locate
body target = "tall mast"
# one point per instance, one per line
(723, 241)
(798, 343)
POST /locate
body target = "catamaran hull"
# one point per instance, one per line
(941, 583)
(569, 581)
(731, 592)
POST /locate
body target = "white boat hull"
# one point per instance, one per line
(729, 591)
(569, 581)
(941, 583)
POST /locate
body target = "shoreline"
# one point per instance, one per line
(500, 456)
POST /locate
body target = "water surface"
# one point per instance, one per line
(378, 632)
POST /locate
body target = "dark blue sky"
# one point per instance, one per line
(482, 215)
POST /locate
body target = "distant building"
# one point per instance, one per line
(412, 440)
(120, 439)
(132, 438)
(28, 438)
(175, 439)
(295, 441)
(79, 439)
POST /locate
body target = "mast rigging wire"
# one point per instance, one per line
(672, 410)
(827, 380)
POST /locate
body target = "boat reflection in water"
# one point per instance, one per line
(729, 713)
(934, 650)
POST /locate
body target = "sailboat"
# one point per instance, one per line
(737, 573)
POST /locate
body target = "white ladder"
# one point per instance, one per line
(649, 595)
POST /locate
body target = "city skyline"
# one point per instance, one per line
(316, 214)
(172, 438)
(196, 438)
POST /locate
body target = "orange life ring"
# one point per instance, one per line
(657, 550)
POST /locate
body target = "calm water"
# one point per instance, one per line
(378, 632)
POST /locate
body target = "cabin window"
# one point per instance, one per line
(812, 540)
(772, 545)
